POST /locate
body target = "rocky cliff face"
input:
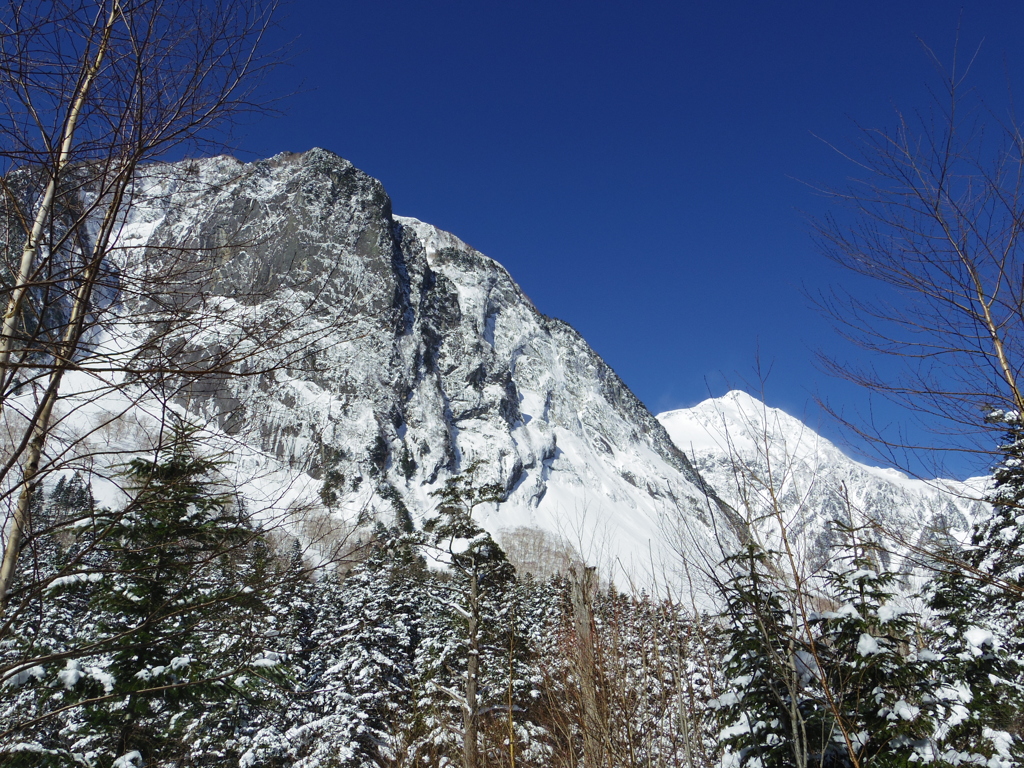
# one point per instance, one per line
(387, 356)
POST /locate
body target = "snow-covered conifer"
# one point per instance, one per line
(879, 695)
(358, 698)
(164, 627)
(472, 653)
(769, 710)
(977, 596)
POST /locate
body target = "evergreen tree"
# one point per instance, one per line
(358, 702)
(769, 713)
(263, 736)
(997, 544)
(880, 695)
(649, 681)
(70, 495)
(471, 653)
(977, 596)
(45, 621)
(848, 687)
(169, 634)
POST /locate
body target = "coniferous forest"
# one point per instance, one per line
(185, 636)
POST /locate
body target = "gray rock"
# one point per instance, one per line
(386, 356)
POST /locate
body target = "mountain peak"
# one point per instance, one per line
(739, 422)
(766, 463)
(429, 363)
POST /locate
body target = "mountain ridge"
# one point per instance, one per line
(766, 462)
(374, 357)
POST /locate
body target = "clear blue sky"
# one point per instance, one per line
(637, 166)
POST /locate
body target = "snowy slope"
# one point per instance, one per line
(366, 358)
(376, 357)
(751, 453)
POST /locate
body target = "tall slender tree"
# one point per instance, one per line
(170, 637)
(89, 91)
(475, 603)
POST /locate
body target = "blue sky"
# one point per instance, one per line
(642, 169)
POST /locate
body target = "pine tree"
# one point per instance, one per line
(769, 713)
(997, 544)
(43, 626)
(169, 631)
(977, 596)
(647, 678)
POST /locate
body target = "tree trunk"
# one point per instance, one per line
(470, 711)
(28, 254)
(595, 731)
(41, 423)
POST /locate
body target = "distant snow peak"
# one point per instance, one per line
(775, 470)
(739, 422)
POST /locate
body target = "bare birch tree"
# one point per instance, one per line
(89, 91)
(934, 221)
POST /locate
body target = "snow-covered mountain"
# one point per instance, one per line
(760, 459)
(362, 359)
(406, 357)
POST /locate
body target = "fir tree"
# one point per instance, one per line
(168, 634)
(70, 495)
(769, 713)
(359, 705)
(848, 687)
(467, 658)
(977, 595)
(880, 696)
